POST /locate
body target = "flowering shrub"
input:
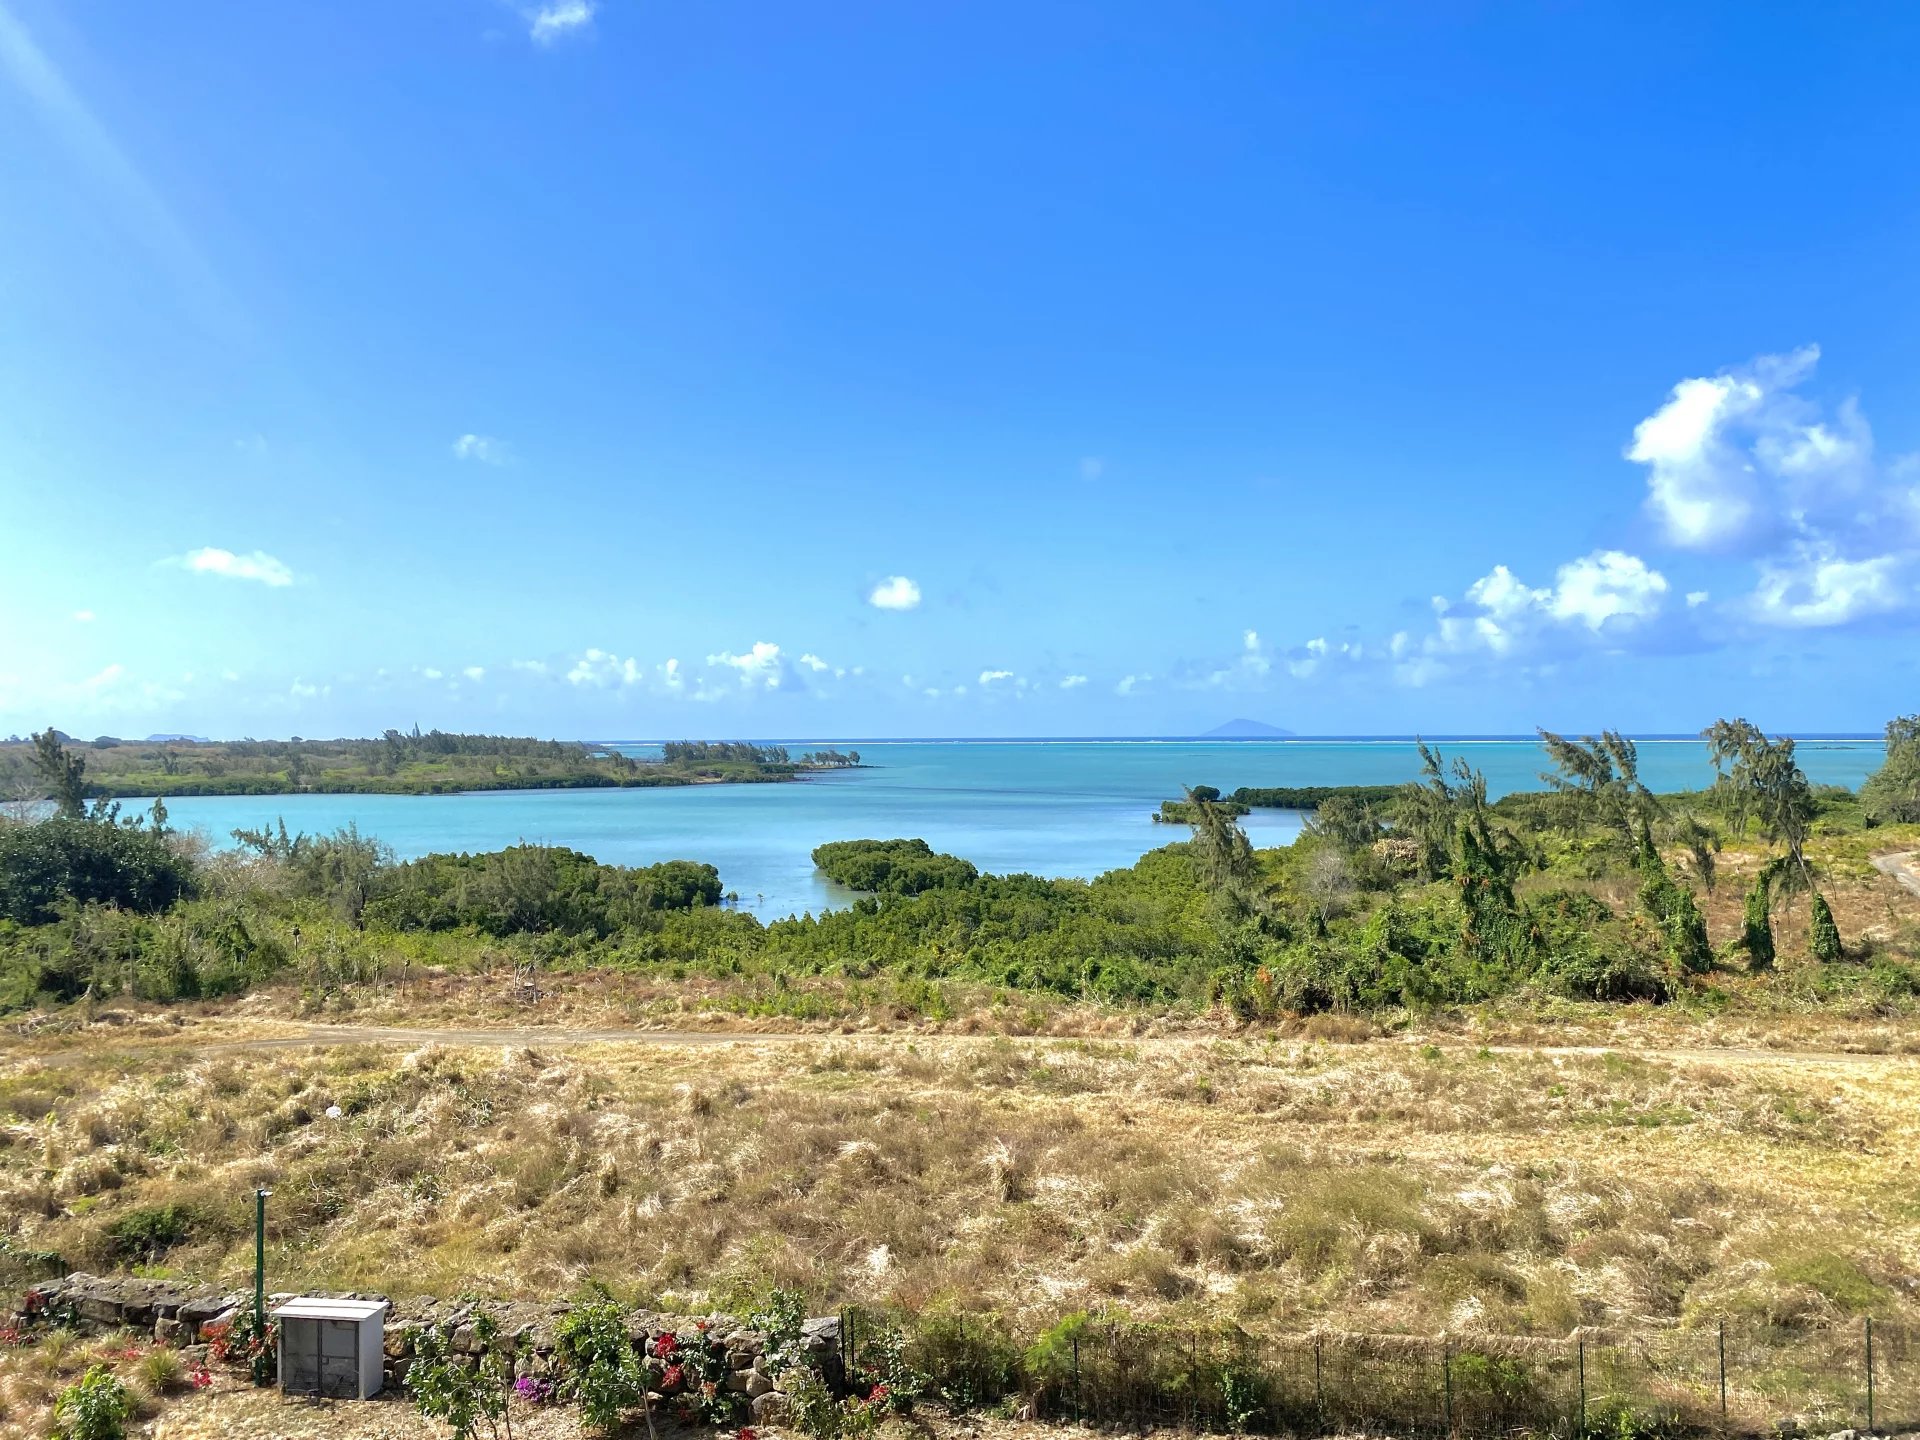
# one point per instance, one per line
(235, 1344)
(890, 1380)
(199, 1377)
(693, 1373)
(535, 1390)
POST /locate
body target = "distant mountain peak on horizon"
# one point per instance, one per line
(1245, 729)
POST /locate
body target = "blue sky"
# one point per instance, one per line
(597, 367)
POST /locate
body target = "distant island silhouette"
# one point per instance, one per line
(1246, 730)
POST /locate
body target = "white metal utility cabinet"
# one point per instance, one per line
(332, 1348)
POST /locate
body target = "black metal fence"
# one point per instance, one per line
(1125, 1374)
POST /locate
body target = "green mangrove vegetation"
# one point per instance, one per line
(1592, 888)
(396, 762)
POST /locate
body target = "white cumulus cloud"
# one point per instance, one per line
(1814, 587)
(896, 592)
(256, 565)
(1073, 682)
(760, 666)
(559, 19)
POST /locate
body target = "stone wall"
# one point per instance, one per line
(178, 1315)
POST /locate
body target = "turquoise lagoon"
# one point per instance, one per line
(1058, 808)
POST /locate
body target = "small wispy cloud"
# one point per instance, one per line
(84, 617)
(994, 677)
(1073, 682)
(256, 565)
(475, 672)
(484, 449)
(896, 592)
(559, 20)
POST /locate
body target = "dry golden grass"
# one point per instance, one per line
(1282, 1183)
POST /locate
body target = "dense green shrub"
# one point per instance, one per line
(532, 889)
(601, 1371)
(149, 1231)
(892, 867)
(1587, 953)
(95, 1407)
(61, 861)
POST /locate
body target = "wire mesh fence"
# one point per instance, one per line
(1124, 1374)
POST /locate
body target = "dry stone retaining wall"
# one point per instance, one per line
(178, 1315)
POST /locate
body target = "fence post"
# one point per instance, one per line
(1446, 1377)
(1077, 1413)
(1869, 1373)
(1722, 1329)
(1583, 1386)
(1193, 1381)
(1319, 1386)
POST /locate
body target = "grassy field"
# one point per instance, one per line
(1389, 1185)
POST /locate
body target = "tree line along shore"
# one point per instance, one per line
(394, 763)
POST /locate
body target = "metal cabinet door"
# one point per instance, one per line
(339, 1359)
(300, 1343)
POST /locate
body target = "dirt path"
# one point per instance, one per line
(1901, 867)
(562, 1037)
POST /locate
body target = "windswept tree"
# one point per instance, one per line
(1601, 778)
(1447, 814)
(64, 772)
(1892, 793)
(1430, 808)
(1224, 856)
(1758, 780)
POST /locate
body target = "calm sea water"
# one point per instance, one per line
(1062, 808)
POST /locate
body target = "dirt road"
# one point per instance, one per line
(560, 1037)
(1902, 867)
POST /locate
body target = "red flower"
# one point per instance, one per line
(199, 1377)
(666, 1345)
(747, 1432)
(878, 1393)
(703, 1326)
(672, 1376)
